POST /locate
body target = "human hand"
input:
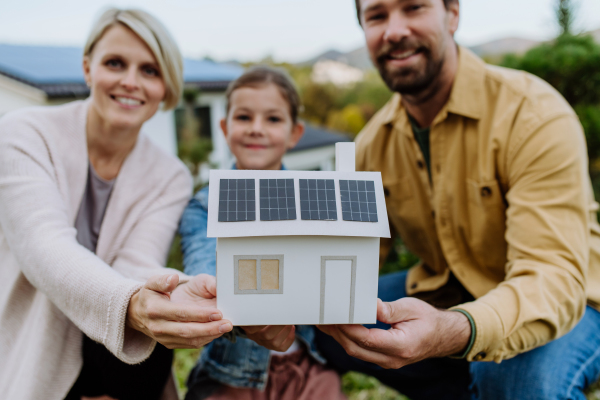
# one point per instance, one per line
(182, 316)
(418, 331)
(273, 337)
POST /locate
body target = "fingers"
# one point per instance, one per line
(162, 283)
(250, 330)
(189, 331)
(204, 286)
(325, 329)
(393, 312)
(188, 334)
(288, 340)
(275, 337)
(183, 312)
(355, 343)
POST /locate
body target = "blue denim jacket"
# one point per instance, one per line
(242, 363)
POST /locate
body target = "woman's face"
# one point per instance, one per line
(125, 80)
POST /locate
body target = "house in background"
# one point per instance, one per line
(50, 75)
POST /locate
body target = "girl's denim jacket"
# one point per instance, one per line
(239, 362)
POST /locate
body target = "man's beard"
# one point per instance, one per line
(409, 80)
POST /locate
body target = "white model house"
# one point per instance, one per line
(298, 247)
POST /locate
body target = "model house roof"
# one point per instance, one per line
(244, 203)
(58, 72)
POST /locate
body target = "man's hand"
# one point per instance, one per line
(273, 337)
(182, 316)
(418, 331)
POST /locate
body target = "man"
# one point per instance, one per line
(485, 175)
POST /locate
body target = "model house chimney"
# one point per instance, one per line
(345, 158)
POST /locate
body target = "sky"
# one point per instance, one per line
(287, 30)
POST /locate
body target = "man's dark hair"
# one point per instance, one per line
(357, 2)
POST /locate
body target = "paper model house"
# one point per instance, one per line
(298, 247)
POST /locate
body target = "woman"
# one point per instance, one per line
(88, 209)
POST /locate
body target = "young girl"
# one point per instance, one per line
(261, 125)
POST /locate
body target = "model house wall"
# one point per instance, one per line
(318, 285)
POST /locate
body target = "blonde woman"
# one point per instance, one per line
(88, 209)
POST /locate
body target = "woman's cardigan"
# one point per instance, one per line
(52, 288)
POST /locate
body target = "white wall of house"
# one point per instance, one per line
(320, 158)
(299, 304)
(221, 157)
(161, 130)
(15, 95)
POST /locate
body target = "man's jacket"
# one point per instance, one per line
(509, 209)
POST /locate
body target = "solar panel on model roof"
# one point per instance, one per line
(358, 201)
(237, 200)
(277, 200)
(317, 199)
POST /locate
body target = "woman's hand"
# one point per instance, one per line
(273, 337)
(183, 316)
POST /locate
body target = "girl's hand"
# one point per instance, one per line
(182, 316)
(273, 337)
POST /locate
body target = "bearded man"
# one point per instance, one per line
(485, 176)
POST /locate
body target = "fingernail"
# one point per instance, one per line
(169, 280)
(215, 317)
(225, 328)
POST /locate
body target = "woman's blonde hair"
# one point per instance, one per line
(156, 37)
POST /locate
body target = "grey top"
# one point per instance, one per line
(92, 209)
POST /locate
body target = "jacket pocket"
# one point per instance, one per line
(486, 210)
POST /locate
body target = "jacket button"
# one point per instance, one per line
(414, 285)
(420, 164)
(480, 356)
(433, 214)
(486, 191)
(386, 191)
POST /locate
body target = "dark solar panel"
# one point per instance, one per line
(237, 200)
(317, 199)
(358, 201)
(277, 199)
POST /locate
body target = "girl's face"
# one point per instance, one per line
(259, 128)
(125, 80)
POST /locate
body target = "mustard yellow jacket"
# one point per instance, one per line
(509, 209)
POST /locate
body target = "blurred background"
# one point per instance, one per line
(320, 44)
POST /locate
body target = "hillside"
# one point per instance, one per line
(359, 58)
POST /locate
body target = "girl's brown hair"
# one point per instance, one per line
(262, 75)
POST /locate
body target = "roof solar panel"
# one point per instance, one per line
(358, 201)
(317, 199)
(277, 199)
(237, 200)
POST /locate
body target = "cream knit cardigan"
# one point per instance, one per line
(52, 288)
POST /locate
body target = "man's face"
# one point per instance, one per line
(408, 40)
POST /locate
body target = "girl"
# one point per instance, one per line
(260, 126)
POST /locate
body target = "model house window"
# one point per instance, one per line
(261, 274)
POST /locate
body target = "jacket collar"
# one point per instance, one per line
(466, 97)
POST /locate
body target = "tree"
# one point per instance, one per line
(565, 16)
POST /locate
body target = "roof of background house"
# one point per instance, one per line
(57, 70)
(318, 137)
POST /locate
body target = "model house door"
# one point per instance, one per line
(338, 275)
